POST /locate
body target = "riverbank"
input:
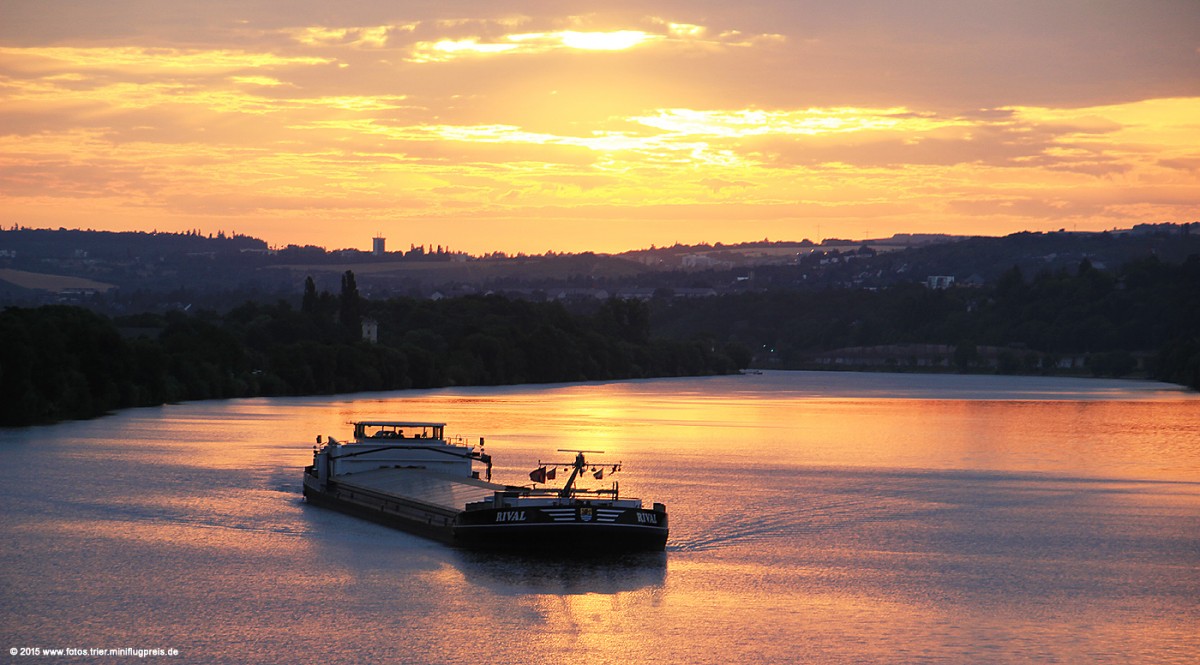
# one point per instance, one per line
(945, 358)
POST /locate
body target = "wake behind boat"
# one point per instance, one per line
(408, 475)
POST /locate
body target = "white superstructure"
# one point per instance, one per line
(383, 444)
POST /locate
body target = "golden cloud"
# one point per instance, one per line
(524, 43)
(374, 37)
(143, 60)
(446, 50)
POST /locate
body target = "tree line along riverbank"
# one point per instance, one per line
(63, 362)
(1139, 320)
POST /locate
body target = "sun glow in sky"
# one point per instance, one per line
(609, 126)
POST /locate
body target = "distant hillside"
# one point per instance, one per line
(146, 269)
(1141, 318)
(1034, 252)
(167, 270)
(117, 245)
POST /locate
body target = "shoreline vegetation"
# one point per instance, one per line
(61, 362)
(64, 362)
(1141, 320)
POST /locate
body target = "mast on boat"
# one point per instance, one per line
(577, 466)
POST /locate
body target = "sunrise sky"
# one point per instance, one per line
(570, 126)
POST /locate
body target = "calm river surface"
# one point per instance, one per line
(816, 517)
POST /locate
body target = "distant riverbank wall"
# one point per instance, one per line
(950, 358)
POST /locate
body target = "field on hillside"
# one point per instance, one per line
(54, 283)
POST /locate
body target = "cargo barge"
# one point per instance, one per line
(408, 475)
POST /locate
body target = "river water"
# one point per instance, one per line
(815, 517)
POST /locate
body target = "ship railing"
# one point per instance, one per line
(505, 498)
(544, 492)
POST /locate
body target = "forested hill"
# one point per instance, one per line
(60, 362)
(1146, 312)
(116, 245)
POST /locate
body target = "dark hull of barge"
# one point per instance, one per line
(581, 528)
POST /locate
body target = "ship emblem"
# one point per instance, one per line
(585, 514)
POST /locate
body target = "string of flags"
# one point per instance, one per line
(544, 473)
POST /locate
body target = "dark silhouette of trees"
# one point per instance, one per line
(309, 302)
(66, 362)
(1146, 309)
(62, 362)
(349, 309)
(628, 320)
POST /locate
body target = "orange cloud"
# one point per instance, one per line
(138, 60)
